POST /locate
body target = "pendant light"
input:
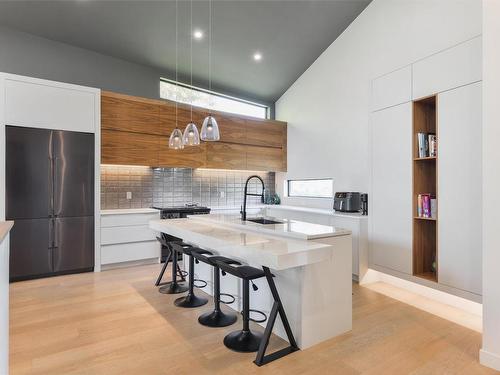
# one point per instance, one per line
(191, 136)
(175, 142)
(210, 128)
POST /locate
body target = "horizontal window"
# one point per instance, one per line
(210, 100)
(312, 188)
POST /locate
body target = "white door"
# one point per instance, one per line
(391, 211)
(459, 188)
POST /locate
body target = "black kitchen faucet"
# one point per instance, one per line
(243, 211)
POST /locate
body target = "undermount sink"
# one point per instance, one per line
(261, 220)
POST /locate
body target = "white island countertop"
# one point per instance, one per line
(285, 228)
(279, 246)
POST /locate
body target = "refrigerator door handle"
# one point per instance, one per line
(51, 186)
(55, 193)
(55, 247)
(51, 233)
(56, 233)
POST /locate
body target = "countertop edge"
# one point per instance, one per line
(129, 211)
(319, 211)
(5, 227)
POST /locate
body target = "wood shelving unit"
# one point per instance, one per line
(425, 246)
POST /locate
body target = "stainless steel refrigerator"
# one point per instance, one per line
(50, 195)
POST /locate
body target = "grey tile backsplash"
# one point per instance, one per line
(177, 186)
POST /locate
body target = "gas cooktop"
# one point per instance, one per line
(185, 208)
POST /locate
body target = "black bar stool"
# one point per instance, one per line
(215, 318)
(180, 273)
(190, 300)
(173, 287)
(244, 340)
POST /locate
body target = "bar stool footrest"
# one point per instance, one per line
(200, 286)
(227, 295)
(257, 312)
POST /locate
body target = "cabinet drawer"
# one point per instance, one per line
(127, 219)
(129, 252)
(136, 233)
(449, 69)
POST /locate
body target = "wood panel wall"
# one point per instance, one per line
(135, 131)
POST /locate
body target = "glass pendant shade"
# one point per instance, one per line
(191, 136)
(175, 140)
(210, 129)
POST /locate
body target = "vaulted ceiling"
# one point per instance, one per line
(290, 35)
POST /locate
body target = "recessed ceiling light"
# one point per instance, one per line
(198, 34)
(257, 56)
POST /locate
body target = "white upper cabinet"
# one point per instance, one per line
(51, 105)
(459, 188)
(392, 89)
(454, 67)
(391, 203)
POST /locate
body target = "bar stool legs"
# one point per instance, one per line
(191, 300)
(217, 318)
(173, 287)
(245, 341)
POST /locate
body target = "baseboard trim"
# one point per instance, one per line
(471, 307)
(489, 359)
(430, 284)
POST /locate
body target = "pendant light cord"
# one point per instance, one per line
(210, 45)
(191, 62)
(176, 59)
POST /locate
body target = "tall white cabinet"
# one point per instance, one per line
(459, 188)
(390, 211)
(453, 77)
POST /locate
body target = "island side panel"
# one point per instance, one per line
(327, 294)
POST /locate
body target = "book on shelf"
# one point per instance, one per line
(426, 206)
(427, 145)
(433, 208)
(432, 144)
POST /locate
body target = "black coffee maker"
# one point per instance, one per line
(364, 204)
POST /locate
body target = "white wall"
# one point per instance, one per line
(490, 353)
(328, 107)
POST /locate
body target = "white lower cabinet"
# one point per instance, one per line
(459, 188)
(126, 237)
(356, 223)
(390, 202)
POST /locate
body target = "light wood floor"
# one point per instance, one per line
(115, 322)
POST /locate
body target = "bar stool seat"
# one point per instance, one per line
(215, 318)
(248, 273)
(244, 340)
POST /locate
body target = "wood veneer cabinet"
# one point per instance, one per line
(128, 148)
(135, 131)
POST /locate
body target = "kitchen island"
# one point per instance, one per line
(311, 264)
